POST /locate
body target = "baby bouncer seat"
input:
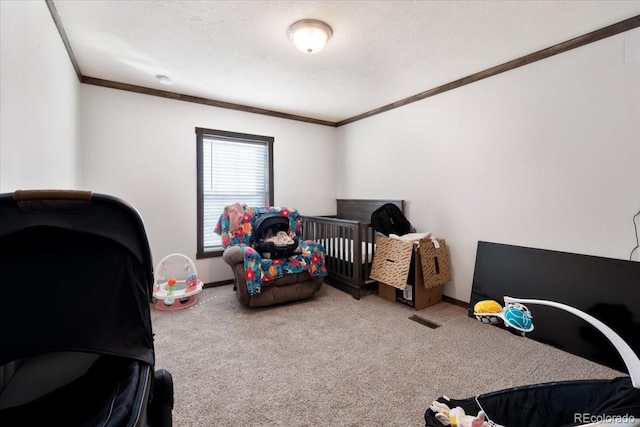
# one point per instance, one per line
(76, 344)
(585, 403)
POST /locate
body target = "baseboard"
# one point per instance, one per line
(216, 284)
(455, 301)
(350, 289)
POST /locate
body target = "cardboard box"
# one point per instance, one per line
(434, 259)
(414, 296)
(411, 274)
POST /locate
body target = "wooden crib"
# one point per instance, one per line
(349, 242)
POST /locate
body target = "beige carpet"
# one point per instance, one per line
(336, 361)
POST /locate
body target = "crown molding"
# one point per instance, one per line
(63, 35)
(611, 30)
(602, 33)
(198, 100)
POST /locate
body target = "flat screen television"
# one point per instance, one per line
(608, 289)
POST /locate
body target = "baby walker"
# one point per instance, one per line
(176, 283)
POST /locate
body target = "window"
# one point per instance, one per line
(232, 167)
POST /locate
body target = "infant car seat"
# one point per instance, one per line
(271, 234)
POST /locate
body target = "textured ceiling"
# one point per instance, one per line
(380, 52)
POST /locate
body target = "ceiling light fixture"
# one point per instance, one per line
(165, 80)
(310, 35)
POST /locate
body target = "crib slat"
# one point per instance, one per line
(357, 258)
(341, 268)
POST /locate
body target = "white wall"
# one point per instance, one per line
(546, 156)
(142, 149)
(39, 101)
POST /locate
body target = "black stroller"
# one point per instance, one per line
(76, 345)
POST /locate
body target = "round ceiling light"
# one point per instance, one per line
(310, 35)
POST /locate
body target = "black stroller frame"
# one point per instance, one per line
(76, 343)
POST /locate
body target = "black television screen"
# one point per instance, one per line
(608, 289)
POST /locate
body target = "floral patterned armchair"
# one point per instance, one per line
(261, 281)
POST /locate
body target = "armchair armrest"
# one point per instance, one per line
(233, 255)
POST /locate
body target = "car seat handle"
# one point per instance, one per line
(32, 195)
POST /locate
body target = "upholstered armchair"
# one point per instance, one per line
(262, 281)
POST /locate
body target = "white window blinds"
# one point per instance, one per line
(233, 170)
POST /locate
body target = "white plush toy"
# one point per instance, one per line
(456, 417)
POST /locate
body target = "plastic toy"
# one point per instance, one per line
(192, 281)
(486, 311)
(456, 417)
(176, 278)
(514, 315)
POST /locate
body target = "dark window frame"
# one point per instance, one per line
(201, 133)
